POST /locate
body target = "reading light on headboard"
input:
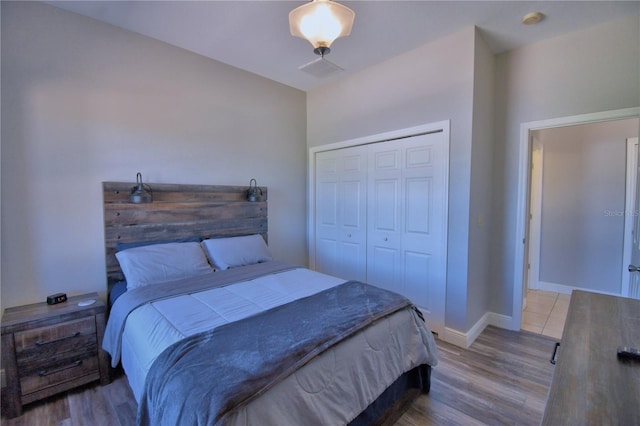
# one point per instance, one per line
(141, 193)
(254, 193)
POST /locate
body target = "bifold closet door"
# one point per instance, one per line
(380, 217)
(341, 179)
(406, 221)
(384, 214)
(424, 218)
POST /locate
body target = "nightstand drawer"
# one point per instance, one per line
(48, 340)
(60, 373)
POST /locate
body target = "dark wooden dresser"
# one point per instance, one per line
(590, 385)
(48, 349)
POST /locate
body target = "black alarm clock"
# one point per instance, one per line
(56, 298)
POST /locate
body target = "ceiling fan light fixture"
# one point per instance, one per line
(321, 22)
(532, 18)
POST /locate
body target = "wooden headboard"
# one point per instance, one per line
(177, 212)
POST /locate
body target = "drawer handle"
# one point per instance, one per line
(43, 373)
(41, 343)
(553, 356)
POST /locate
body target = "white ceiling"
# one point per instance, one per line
(254, 35)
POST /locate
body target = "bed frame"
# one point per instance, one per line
(181, 211)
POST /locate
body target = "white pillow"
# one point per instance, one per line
(227, 253)
(162, 262)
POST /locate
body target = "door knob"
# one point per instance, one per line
(634, 268)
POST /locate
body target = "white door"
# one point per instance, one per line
(424, 221)
(535, 219)
(633, 286)
(384, 226)
(406, 221)
(341, 213)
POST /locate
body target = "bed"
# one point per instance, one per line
(224, 334)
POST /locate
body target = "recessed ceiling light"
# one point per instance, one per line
(532, 18)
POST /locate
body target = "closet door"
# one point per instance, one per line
(406, 221)
(424, 224)
(384, 226)
(341, 213)
(381, 218)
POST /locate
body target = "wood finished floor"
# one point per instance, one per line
(503, 378)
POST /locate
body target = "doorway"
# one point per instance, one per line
(578, 217)
(578, 207)
(523, 209)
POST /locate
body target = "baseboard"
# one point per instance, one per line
(455, 337)
(556, 288)
(566, 289)
(501, 321)
(464, 340)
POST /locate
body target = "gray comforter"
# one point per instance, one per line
(132, 299)
(202, 379)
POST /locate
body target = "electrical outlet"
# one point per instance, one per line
(3, 379)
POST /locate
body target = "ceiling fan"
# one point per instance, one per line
(321, 22)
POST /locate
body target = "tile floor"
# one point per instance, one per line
(545, 313)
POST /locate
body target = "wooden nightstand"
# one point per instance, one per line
(47, 349)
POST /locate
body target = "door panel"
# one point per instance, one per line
(328, 210)
(382, 270)
(354, 163)
(417, 279)
(407, 218)
(419, 156)
(386, 198)
(384, 267)
(417, 200)
(425, 216)
(352, 195)
(341, 213)
(353, 233)
(326, 261)
(385, 158)
(352, 261)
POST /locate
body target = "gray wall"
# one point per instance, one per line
(425, 85)
(85, 102)
(583, 204)
(481, 191)
(597, 69)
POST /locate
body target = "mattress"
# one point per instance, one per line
(338, 384)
